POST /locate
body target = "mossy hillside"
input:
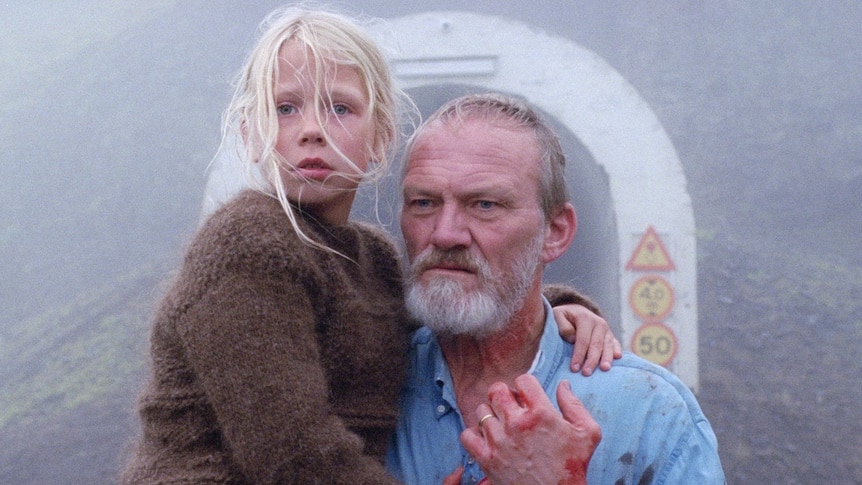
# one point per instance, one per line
(76, 353)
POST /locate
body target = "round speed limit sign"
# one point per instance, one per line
(656, 343)
(651, 298)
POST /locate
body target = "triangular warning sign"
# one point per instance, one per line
(650, 254)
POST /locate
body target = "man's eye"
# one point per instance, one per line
(485, 204)
(340, 109)
(420, 203)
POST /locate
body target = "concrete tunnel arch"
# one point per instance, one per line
(626, 180)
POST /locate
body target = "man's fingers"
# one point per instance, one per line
(454, 478)
(570, 405)
(484, 416)
(530, 392)
(503, 400)
(573, 411)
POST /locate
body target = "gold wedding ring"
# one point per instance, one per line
(484, 418)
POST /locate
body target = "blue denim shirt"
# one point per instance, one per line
(653, 430)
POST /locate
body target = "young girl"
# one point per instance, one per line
(278, 352)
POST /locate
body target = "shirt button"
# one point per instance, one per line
(470, 460)
(441, 409)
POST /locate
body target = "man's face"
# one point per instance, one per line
(472, 225)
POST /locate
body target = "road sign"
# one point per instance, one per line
(651, 298)
(656, 343)
(650, 254)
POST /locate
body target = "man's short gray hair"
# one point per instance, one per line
(553, 192)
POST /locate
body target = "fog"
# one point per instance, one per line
(109, 117)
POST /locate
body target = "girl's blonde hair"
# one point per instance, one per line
(330, 40)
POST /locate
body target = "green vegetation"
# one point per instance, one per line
(76, 353)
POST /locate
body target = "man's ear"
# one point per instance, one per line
(559, 233)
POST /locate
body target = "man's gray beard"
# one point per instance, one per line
(445, 307)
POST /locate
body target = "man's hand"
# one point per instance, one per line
(594, 341)
(523, 439)
(454, 478)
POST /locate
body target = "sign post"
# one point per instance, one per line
(652, 301)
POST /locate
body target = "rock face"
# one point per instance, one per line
(780, 340)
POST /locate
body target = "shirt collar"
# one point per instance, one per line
(550, 356)
(552, 349)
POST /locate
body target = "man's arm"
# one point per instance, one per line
(523, 439)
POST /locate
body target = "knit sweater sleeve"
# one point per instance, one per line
(248, 331)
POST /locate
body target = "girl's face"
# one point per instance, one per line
(311, 174)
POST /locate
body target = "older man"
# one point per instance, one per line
(485, 208)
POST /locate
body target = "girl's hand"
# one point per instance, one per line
(595, 343)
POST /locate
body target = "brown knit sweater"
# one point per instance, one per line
(272, 361)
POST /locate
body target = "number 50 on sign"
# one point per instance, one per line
(656, 343)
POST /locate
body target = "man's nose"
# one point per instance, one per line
(451, 229)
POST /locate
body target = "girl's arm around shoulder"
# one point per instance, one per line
(581, 323)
